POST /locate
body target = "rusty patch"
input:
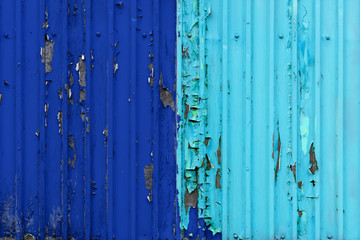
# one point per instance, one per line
(313, 162)
(190, 199)
(300, 184)
(278, 158)
(300, 213)
(218, 152)
(187, 108)
(148, 171)
(218, 177)
(209, 165)
(207, 139)
(293, 169)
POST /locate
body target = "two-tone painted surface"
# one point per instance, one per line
(268, 104)
(87, 121)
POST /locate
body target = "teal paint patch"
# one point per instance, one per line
(199, 167)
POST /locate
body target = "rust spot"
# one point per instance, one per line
(218, 152)
(187, 108)
(190, 199)
(207, 139)
(217, 183)
(300, 184)
(300, 213)
(313, 162)
(208, 163)
(278, 157)
(293, 169)
(184, 51)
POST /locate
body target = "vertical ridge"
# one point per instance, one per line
(42, 133)
(156, 132)
(248, 72)
(110, 109)
(179, 110)
(132, 102)
(340, 114)
(317, 83)
(64, 106)
(294, 126)
(18, 121)
(88, 118)
(225, 122)
(271, 120)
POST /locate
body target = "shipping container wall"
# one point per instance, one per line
(87, 119)
(268, 96)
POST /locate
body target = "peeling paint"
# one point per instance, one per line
(47, 54)
(166, 96)
(151, 78)
(314, 166)
(60, 121)
(148, 173)
(72, 145)
(82, 95)
(190, 199)
(81, 68)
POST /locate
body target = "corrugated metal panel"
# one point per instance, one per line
(268, 94)
(87, 129)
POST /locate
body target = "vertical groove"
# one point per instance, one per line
(110, 109)
(248, 73)
(225, 122)
(340, 114)
(155, 133)
(18, 120)
(42, 129)
(271, 120)
(317, 84)
(294, 126)
(132, 99)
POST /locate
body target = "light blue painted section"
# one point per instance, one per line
(279, 82)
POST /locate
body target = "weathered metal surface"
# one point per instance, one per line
(268, 105)
(79, 122)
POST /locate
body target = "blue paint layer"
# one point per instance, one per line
(79, 120)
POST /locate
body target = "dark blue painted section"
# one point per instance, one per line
(72, 155)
